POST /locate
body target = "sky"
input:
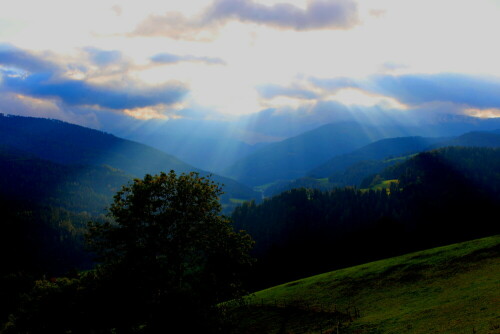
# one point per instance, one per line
(109, 62)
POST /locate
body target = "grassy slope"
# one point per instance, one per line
(451, 289)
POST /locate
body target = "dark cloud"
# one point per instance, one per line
(78, 92)
(417, 89)
(168, 58)
(16, 105)
(319, 14)
(10, 56)
(271, 91)
(27, 74)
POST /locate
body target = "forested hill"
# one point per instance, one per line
(395, 147)
(473, 139)
(45, 210)
(55, 177)
(378, 150)
(66, 143)
(443, 196)
(79, 188)
(352, 168)
(472, 168)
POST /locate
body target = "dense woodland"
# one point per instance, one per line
(442, 196)
(368, 210)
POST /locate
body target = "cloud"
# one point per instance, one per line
(81, 93)
(103, 57)
(27, 74)
(319, 14)
(168, 58)
(334, 84)
(408, 100)
(16, 104)
(10, 56)
(272, 91)
(333, 14)
(417, 89)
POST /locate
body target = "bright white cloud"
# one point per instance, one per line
(358, 97)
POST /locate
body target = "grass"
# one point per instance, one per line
(383, 185)
(451, 289)
(264, 187)
(237, 200)
(386, 184)
(323, 181)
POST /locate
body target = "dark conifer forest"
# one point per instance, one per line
(440, 197)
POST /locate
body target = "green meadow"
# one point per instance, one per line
(451, 289)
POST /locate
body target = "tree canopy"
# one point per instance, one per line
(169, 250)
(166, 259)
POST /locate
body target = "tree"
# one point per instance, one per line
(167, 256)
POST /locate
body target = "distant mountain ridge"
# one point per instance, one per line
(380, 149)
(71, 144)
(202, 151)
(293, 157)
(352, 168)
(397, 147)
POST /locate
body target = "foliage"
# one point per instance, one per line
(444, 196)
(35, 241)
(168, 257)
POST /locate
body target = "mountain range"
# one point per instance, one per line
(67, 144)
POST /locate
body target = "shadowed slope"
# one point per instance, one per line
(65, 143)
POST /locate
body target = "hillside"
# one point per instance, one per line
(77, 188)
(211, 150)
(378, 150)
(69, 144)
(45, 210)
(293, 157)
(451, 289)
(473, 139)
(458, 167)
(395, 147)
(436, 198)
(352, 168)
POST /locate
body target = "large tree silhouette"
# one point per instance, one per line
(168, 257)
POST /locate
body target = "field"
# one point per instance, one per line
(451, 289)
